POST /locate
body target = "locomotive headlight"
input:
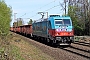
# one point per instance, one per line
(70, 33)
(57, 33)
(70, 37)
(57, 29)
(63, 27)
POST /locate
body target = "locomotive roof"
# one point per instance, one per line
(61, 17)
(53, 17)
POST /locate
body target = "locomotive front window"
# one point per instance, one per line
(63, 21)
(58, 22)
(66, 21)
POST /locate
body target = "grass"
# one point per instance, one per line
(9, 51)
(18, 49)
(16, 53)
(23, 50)
(30, 52)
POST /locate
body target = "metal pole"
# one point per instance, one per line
(65, 1)
(65, 7)
(47, 14)
(15, 19)
(15, 16)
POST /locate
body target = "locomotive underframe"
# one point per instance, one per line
(62, 39)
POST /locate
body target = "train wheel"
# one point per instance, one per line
(48, 40)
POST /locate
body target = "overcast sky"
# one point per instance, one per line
(30, 8)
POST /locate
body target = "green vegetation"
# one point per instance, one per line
(9, 51)
(80, 23)
(78, 26)
(5, 18)
(16, 53)
(80, 15)
(30, 22)
(18, 23)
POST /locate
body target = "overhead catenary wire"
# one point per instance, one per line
(46, 10)
(23, 15)
(52, 7)
(44, 6)
(38, 9)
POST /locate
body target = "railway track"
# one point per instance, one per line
(83, 43)
(82, 53)
(79, 48)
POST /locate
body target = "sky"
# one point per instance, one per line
(29, 8)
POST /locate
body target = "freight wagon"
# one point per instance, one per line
(25, 29)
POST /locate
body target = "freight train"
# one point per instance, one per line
(56, 30)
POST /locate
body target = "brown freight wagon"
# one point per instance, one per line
(18, 29)
(11, 28)
(26, 29)
(14, 29)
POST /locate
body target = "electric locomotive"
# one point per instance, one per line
(55, 29)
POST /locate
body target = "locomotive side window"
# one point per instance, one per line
(49, 25)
